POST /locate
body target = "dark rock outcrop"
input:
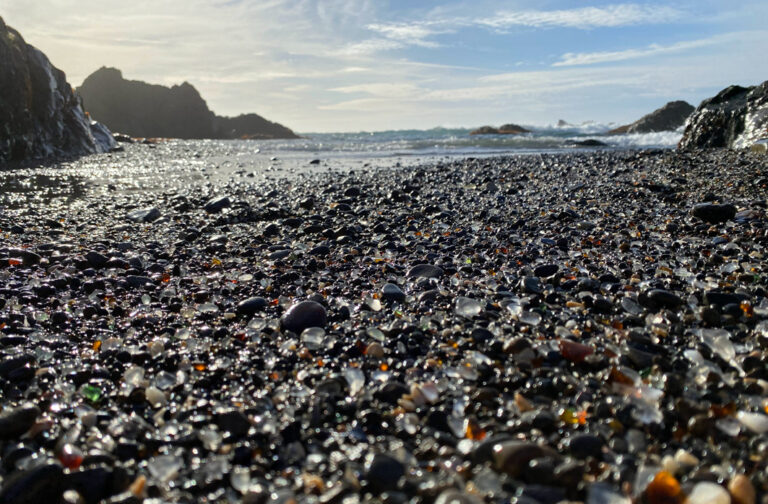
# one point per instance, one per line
(40, 116)
(667, 118)
(140, 109)
(506, 129)
(249, 126)
(735, 118)
(590, 142)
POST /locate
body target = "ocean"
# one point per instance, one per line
(178, 163)
(459, 142)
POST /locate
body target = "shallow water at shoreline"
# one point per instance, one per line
(178, 163)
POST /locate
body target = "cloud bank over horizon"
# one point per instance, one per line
(352, 65)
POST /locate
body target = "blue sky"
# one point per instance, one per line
(352, 65)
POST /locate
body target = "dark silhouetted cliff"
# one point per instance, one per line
(139, 109)
(40, 116)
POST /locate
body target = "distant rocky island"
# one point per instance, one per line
(140, 109)
(667, 118)
(506, 129)
(40, 116)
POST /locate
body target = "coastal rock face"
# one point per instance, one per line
(735, 118)
(41, 116)
(140, 109)
(506, 129)
(667, 118)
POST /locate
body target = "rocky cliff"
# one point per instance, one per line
(148, 110)
(40, 116)
(735, 118)
(667, 118)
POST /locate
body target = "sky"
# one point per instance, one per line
(371, 65)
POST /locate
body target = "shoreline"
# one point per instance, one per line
(528, 325)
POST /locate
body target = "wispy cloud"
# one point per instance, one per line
(592, 58)
(410, 33)
(394, 36)
(575, 59)
(369, 47)
(584, 17)
(381, 89)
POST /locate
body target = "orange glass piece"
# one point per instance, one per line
(664, 489)
(746, 307)
(474, 432)
(723, 411)
(574, 352)
(137, 487)
(96, 345)
(14, 262)
(619, 377)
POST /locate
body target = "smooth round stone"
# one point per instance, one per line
(216, 205)
(512, 457)
(665, 298)
(303, 315)
(144, 215)
(586, 445)
(280, 254)
(393, 293)
(546, 270)
(96, 260)
(384, 472)
(712, 213)
(42, 483)
(756, 422)
(251, 305)
(320, 251)
(425, 271)
(15, 422)
(532, 285)
(457, 497)
(723, 298)
(27, 257)
(708, 493)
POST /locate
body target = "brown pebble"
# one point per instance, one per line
(375, 350)
(742, 490)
